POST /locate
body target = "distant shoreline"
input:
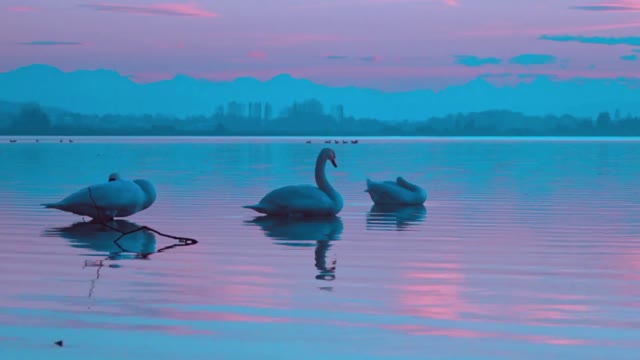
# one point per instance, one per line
(316, 139)
(326, 136)
(308, 119)
(332, 137)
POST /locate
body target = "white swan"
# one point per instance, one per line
(400, 192)
(116, 198)
(304, 200)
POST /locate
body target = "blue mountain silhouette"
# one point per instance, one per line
(106, 91)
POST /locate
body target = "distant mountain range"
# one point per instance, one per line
(104, 91)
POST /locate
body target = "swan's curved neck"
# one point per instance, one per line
(321, 177)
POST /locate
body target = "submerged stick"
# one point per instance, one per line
(183, 241)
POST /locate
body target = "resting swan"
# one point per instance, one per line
(116, 198)
(304, 200)
(400, 192)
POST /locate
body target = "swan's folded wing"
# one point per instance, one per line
(407, 185)
(299, 198)
(113, 195)
(117, 194)
(419, 195)
(384, 192)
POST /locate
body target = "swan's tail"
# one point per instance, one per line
(369, 182)
(257, 207)
(55, 205)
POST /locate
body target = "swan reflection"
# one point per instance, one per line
(395, 217)
(100, 239)
(305, 232)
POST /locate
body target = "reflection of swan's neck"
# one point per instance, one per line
(321, 177)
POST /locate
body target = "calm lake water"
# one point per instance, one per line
(525, 249)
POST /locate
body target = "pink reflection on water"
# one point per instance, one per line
(466, 333)
(426, 330)
(252, 268)
(435, 293)
(550, 311)
(253, 295)
(178, 314)
(35, 322)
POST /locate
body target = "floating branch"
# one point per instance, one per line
(183, 240)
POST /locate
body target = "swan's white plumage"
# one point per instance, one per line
(304, 200)
(400, 192)
(116, 198)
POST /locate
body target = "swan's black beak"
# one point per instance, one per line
(333, 162)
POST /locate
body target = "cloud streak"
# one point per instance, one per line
(395, 2)
(474, 61)
(610, 6)
(623, 40)
(533, 59)
(371, 59)
(186, 9)
(257, 55)
(52, 43)
(20, 9)
(343, 3)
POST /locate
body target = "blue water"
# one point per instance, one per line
(525, 249)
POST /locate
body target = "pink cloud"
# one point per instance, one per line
(376, 2)
(448, 2)
(257, 55)
(22, 9)
(186, 9)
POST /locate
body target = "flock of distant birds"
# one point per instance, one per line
(337, 141)
(119, 197)
(38, 140)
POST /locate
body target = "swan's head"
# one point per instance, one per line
(149, 191)
(114, 176)
(330, 155)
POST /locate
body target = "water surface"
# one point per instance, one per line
(525, 249)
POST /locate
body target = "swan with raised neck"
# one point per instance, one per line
(305, 200)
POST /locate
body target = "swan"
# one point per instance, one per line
(116, 198)
(304, 200)
(400, 192)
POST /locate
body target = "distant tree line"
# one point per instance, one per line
(310, 117)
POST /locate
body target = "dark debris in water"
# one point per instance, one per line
(59, 343)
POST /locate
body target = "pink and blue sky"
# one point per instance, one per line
(384, 44)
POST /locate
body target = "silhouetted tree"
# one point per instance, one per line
(268, 112)
(604, 120)
(32, 119)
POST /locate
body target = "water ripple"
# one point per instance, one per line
(532, 247)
